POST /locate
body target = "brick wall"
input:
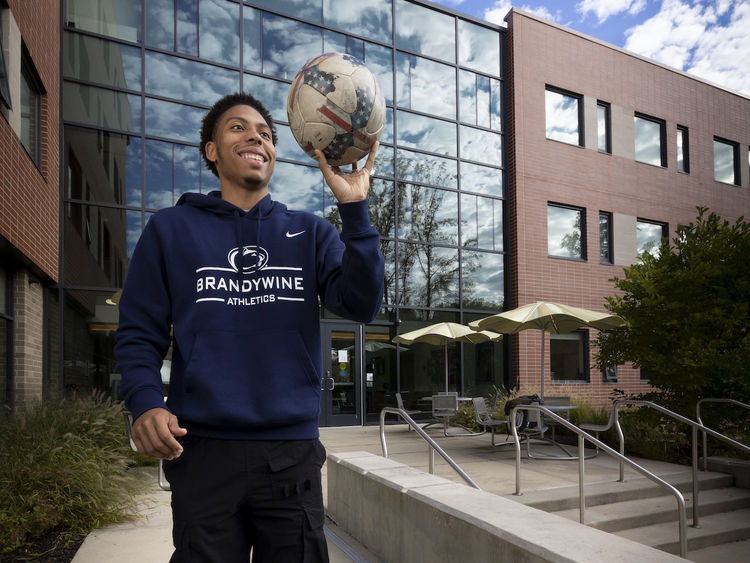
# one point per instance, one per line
(545, 171)
(28, 195)
(29, 340)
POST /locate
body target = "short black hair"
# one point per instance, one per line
(208, 125)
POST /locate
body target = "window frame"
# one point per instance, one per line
(586, 349)
(606, 106)
(735, 160)
(579, 98)
(609, 259)
(584, 245)
(664, 230)
(5, 98)
(662, 137)
(30, 76)
(683, 131)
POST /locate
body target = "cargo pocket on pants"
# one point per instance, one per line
(314, 538)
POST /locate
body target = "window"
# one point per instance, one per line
(4, 89)
(563, 113)
(565, 234)
(726, 161)
(683, 150)
(435, 36)
(609, 374)
(649, 140)
(31, 110)
(605, 237)
(569, 356)
(648, 236)
(603, 127)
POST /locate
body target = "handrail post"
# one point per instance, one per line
(512, 420)
(432, 445)
(581, 481)
(622, 439)
(703, 431)
(705, 436)
(695, 476)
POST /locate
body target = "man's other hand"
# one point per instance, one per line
(154, 434)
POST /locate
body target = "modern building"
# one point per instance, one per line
(519, 164)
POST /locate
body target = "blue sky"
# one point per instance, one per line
(709, 39)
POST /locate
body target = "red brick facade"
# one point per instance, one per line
(542, 171)
(29, 195)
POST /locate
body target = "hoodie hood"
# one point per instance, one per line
(213, 203)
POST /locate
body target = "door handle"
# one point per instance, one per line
(328, 379)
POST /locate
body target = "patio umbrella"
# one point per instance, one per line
(547, 316)
(443, 333)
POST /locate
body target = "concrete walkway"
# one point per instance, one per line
(493, 469)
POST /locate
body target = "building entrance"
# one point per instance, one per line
(341, 395)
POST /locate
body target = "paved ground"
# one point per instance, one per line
(493, 469)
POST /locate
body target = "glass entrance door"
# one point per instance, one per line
(341, 395)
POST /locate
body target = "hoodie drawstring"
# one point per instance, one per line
(240, 245)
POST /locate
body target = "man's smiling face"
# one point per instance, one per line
(242, 149)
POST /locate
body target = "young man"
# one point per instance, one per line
(232, 280)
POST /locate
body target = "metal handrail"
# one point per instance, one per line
(695, 426)
(698, 418)
(433, 447)
(582, 436)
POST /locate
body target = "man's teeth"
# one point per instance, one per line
(251, 156)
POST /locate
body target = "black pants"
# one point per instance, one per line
(229, 496)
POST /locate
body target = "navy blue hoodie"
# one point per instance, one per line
(246, 356)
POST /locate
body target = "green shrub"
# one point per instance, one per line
(64, 465)
(466, 417)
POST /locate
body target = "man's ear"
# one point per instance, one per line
(211, 151)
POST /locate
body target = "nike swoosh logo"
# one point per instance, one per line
(292, 235)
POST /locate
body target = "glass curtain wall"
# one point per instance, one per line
(140, 75)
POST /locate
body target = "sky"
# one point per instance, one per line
(709, 39)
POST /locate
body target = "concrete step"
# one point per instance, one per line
(714, 530)
(608, 492)
(724, 553)
(645, 512)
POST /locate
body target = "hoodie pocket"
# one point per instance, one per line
(250, 378)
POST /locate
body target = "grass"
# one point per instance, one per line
(65, 468)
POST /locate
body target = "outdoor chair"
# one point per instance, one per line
(597, 428)
(486, 421)
(556, 402)
(400, 404)
(445, 407)
(534, 428)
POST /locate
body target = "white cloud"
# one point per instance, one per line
(688, 37)
(500, 9)
(603, 9)
(497, 12)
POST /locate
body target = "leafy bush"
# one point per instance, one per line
(466, 417)
(64, 466)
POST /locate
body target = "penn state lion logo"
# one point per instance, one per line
(254, 258)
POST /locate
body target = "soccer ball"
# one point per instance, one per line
(335, 104)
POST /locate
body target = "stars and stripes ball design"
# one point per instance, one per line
(336, 105)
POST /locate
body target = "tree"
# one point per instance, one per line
(687, 313)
